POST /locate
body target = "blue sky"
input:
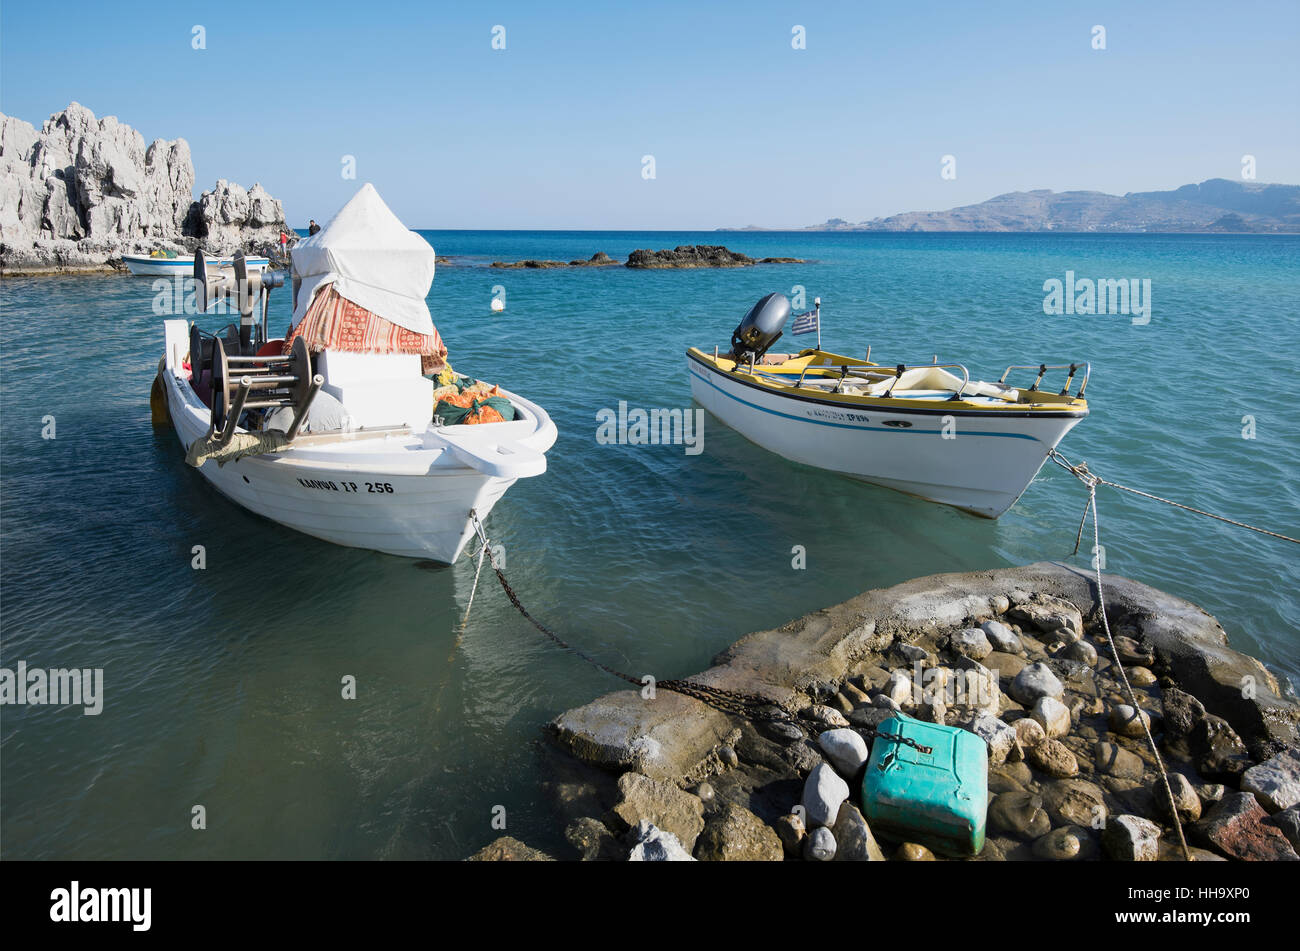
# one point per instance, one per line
(550, 132)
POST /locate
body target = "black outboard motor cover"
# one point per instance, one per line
(760, 328)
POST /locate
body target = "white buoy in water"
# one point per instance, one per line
(498, 305)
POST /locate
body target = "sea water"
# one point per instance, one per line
(224, 730)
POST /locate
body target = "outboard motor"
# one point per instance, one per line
(760, 328)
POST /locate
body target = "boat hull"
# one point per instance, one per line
(399, 494)
(142, 265)
(978, 461)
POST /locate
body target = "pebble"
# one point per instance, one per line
(1113, 760)
(1060, 845)
(1141, 677)
(853, 693)
(1034, 681)
(912, 852)
(913, 653)
(780, 731)
(885, 702)
(846, 749)
(1131, 653)
(1003, 743)
(1211, 792)
(819, 845)
(790, 830)
(1053, 758)
(705, 791)
(854, 841)
(1030, 732)
(1053, 716)
(970, 642)
(1127, 721)
(1002, 637)
(1186, 802)
(1074, 802)
(827, 715)
(652, 844)
(1082, 652)
(1019, 814)
(727, 756)
(1131, 839)
(934, 712)
(823, 792)
(899, 688)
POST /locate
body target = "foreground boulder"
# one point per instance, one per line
(1237, 828)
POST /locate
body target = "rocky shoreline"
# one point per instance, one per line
(78, 193)
(682, 256)
(1016, 656)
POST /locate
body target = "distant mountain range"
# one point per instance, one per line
(1216, 205)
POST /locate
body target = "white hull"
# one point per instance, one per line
(404, 493)
(146, 266)
(984, 469)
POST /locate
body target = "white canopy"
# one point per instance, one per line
(372, 259)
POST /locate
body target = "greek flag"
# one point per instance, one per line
(805, 323)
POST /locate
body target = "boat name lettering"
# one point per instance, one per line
(819, 413)
(372, 488)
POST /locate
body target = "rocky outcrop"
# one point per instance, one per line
(683, 256)
(80, 192)
(1070, 777)
(689, 255)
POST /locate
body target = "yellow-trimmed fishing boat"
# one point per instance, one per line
(928, 430)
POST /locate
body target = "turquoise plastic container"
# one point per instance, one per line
(938, 799)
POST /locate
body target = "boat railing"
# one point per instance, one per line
(1043, 368)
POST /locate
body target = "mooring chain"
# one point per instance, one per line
(751, 706)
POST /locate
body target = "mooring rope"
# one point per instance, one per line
(1091, 482)
(1081, 470)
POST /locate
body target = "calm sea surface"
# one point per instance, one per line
(222, 686)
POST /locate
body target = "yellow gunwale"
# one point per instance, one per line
(1044, 401)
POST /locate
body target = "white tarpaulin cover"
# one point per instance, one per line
(372, 259)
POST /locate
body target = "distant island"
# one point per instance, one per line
(682, 256)
(1215, 205)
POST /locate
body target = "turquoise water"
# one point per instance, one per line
(222, 686)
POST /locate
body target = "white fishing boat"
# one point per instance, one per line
(928, 430)
(332, 431)
(169, 263)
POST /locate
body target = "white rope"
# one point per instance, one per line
(1092, 481)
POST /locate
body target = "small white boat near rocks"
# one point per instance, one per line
(928, 430)
(332, 432)
(165, 264)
